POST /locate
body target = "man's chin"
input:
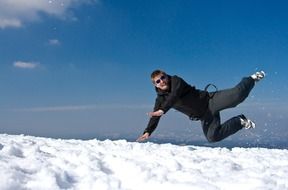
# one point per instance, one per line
(164, 87)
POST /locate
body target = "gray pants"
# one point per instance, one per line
(223, 99)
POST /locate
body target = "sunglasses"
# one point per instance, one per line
(163, 77)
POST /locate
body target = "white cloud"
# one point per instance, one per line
(58, 108)
(13, 13)
(9, 22)
(82, 108)
(54, 42)
(25, 65)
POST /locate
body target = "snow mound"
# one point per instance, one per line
(42, 163)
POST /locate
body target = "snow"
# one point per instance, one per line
(28, 162)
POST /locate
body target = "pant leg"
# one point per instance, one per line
(214, 131)
(230, 98)
(211, 122)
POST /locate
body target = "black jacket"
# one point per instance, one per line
(182, 97)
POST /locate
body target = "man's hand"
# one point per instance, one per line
(143, 137)
(156, 113)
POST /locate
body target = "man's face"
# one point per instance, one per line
(161, 82)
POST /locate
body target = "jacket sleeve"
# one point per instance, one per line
(177, 87)
(153, 122)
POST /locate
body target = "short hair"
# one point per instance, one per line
(156, 73)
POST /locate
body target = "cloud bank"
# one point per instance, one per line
(14, 13)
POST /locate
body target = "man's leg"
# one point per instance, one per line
(230, 98)
(213, 129)
(211, 123)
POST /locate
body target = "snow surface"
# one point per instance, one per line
(42, 163)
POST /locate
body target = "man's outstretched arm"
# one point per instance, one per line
(154, 119)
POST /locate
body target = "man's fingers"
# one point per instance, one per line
(156, 113)
(150, 114)
(142, 138)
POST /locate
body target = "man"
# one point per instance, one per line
(174, 92)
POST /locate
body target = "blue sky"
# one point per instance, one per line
(81, 69)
